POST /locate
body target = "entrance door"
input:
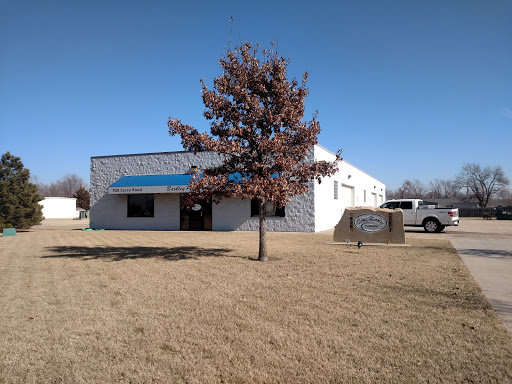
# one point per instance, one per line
(347, 195)
(198, 218)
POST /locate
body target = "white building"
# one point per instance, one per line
(59, 207)
(143, 191)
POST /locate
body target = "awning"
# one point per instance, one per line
(156, 184)
(150, 184)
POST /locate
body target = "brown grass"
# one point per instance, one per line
(164, 307)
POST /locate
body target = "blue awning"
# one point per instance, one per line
(151, 184)
(150, 180)
(155, 184)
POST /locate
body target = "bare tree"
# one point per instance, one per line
(42, 188)
(66, 186)
(482, 183)
(392, 194)
(257, 117)
(411, 189)
(443, 189)
(69, 184)
(506, 196)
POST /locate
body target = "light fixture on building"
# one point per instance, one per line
(349, 176)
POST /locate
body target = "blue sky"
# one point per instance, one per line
(408, 89)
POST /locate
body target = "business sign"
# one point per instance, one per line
(149, 189)
(370, 225)
(370, 222)
(197, 207)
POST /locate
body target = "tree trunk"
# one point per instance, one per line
(263, 231)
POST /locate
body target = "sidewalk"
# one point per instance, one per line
(485, 246)
(490, 263)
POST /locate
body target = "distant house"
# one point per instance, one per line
(452, 203)
(59, 207)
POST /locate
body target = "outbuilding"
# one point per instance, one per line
(143, 192)
(59, 207)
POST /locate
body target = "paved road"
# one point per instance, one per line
(485, 246)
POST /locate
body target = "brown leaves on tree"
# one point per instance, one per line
(256, 125)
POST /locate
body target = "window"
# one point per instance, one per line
(391, 205)
(397, 204)
(364, 196)
(141, 205)
(335, 190)
(270, 208)
(406, 204)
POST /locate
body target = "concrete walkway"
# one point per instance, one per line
(490, 263)
(485, 246)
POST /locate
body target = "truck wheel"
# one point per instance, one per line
(431, 225)
(440, 229)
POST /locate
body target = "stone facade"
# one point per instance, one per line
(109, 211)
(105, 170)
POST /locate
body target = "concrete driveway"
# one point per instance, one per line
(485, 246)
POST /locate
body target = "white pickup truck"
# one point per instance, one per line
(417, 214)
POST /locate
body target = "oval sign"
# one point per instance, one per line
(196, 207)
(370, 222)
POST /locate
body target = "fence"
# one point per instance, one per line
(476, 212)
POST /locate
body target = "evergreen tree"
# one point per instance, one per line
(19, 200)
(83, 198)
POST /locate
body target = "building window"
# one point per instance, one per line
(364, 195)
(141, 205)
(335, 190)
(270, 208)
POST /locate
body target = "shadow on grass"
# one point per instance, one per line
(439, 298)
(107, 253)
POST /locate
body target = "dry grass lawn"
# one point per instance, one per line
(165, 307)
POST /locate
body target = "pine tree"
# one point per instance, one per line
(83, 198)
(19, 200)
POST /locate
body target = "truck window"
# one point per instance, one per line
(390, 205)
(406, 204)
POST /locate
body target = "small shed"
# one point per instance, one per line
(59, 207)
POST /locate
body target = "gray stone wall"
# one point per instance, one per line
(108, 211)
(105, 170)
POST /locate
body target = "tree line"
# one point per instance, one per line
(69, 185)
(473, 183)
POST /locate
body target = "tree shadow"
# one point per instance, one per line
(489, 253)
(107, 253)
(501, 306)
(438, 297)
